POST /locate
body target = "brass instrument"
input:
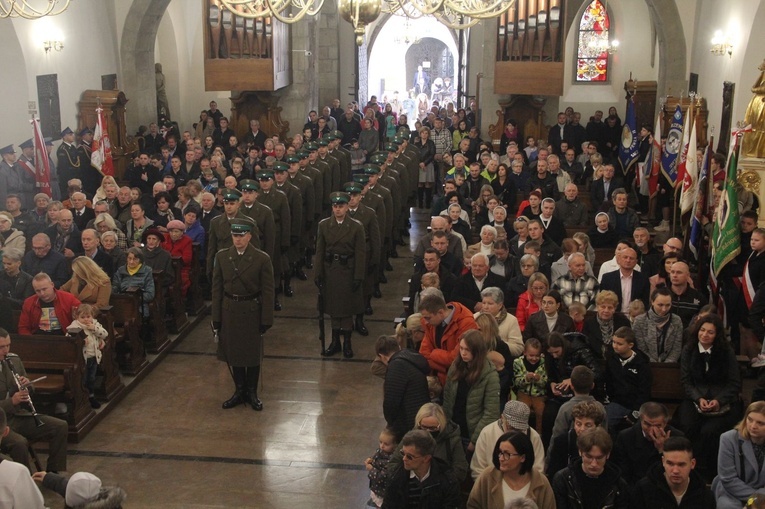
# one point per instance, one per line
(22, 387)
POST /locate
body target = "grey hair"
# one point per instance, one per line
(479, 255)
(13, 253)
(530, 258)
(109, 234)
(432, 291)
(576, 254)
(490, 229)
(494, 293)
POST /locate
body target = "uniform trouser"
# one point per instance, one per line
(23, 428)
(384, 252)
(342, 322)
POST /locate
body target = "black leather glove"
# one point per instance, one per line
(216, 325)
(356, 284)
(264, 328)
(372, 269)
(294, 240)
(285, 249)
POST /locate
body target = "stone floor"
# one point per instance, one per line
(169, 444)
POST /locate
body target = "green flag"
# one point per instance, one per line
(726, 240)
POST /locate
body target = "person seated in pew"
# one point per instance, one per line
(90, 245)
(49, 311)
(467, 291)
(156, 257)
(502, 263)
(21, 422)
(135, 275)
(15, 284)
(177, 243)
(89, 284)
(519, 283)
(639, 447)
(628, 379)
(659, 332)
(41, 258)
(110, 244)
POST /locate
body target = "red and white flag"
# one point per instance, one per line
(42, 162)
(101, 155)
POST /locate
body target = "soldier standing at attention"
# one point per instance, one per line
(242, 310)
(340, 270)
(220, 227)
(304, 184)
(277, 202)
(295, 202)
(70, 164)
(260, 214)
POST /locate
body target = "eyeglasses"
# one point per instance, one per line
(539, 288)
(410, 457)
(507, 456)
(587, 457)
(429, 428)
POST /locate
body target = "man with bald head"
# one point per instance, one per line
(91, 249)
(626, 282)
(80, 211)
(577, 285)
(41, 258)
(686, 301)
(64, 235)
(437, 223)
(570, 208)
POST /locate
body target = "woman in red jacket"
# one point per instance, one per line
(530, 301)
(179, 244)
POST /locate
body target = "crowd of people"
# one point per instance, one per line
(523, 362)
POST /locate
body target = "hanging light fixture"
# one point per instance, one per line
(32, 9)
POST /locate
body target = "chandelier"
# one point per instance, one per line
(456, 14)
(32, 9)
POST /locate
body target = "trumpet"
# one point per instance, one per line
(22, 387)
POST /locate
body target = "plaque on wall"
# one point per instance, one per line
(50, 106)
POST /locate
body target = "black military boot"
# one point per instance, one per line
(297, 271)
(253, 373)
(308, 262)
(347, 350)
(240, 396)
(277, 304)
(334, 346)
(359, 325)
(377, 294)
(368, 310)
(286, 278)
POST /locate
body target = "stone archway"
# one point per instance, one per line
(137, 53)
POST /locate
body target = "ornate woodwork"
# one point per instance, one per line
(527, 111)
(262, 106)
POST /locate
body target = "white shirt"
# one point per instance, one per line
(626, 290)
(611, 266)
(17, 489)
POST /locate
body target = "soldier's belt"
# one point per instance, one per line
(329, 258)
(242, 298)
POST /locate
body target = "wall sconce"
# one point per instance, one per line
(56, 45)
(721, 45)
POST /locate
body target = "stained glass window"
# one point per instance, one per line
(592, 53)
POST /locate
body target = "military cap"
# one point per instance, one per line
(396, 141)
(391, 147)
(249, 185)
(240, 226)
(378, 158)
(85, 131)
(313, 147)
(339, 197)
(371, 169)
(7, 150)
(231, 195)
(49, 141)
(323, 142)
(360, 178)
(27, 144)
(265, 175)
(294, 159)
(330, 136)
(353, 187)
(66, 131)
(279, 166)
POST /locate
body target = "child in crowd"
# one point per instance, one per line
(635, 309)
(530, 379)
(628, 380)
(577, 311)
(95, 335)
(377, 468)
(531, 149)
(357, 156)
(435, 389)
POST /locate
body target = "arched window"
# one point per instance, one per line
(592, 49)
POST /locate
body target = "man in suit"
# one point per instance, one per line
(209, 212)
(603, 188)
(90, 246)
(81, 213)
(626, 282)
(243, 276)
(468, 289)
(558, 133)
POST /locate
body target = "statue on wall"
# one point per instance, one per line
(753, 143)
(163, 106)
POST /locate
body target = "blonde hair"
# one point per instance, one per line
(83, 309)
(487, 324)
(607, 296)
(86, 269)
(637, 306)
(430, 280)
(758, 407)
(431, 410)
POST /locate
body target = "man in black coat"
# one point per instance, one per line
(614, 281)
(64, 235)
(603, 188)
(469, 286)
(639, 447)
(432, 263)
(558, 133)
(406, 384)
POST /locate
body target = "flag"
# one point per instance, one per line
(629, 147)
(42, 162)
(672, 147)
(690, 175)
(101, 155)
(682, 157)
(726, 241)
(649, 183)
(700, 204)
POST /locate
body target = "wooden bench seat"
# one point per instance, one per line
(60, 359)
(126, 326)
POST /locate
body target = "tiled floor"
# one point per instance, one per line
(169, 444)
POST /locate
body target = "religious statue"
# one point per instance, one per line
(753, 143)
(163, 106)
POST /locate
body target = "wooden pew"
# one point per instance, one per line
(175, 301)
(666, 387)
(157, 340)
(602, 254)
(195, 298)
(60, 359)
(126, 327)
(111, 383)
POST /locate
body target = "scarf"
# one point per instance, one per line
(657, 335)
(501, 316)
(133, 272)
(606, 330)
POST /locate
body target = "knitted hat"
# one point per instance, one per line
(176, 225)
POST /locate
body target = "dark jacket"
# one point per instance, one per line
(591, 329)
(568, 491)
(598, 192)
(561, 453)
(578, 353)
(722, 381)
(54, 264)
(405, 390)
(446, 279)
(628, 385)
(635, 454)
(653, 491)
(16, 289)
(536, 327)
(74, 242)
(467, 293)
(441, 490)
(640, 286)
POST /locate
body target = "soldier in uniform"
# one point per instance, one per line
(398, 170)
(242, 293)
(70, 161)
(340, 271)
(388, 180)
(260, 214)
(318, 191)
(277, 202)
(334, 164)
(295, 202)
(375, 203)
(342, 154)
(326, 175)
(373, 172)
(220, 227)
(91, 177)
(366, 216)
(305, 185)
